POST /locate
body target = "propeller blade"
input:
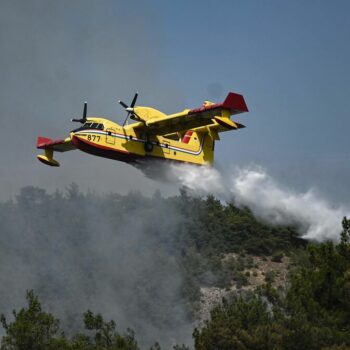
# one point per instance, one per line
(126, 119)
(134, 100)
(123, 104)
(85, 110)
(130, 110)
(83, 119)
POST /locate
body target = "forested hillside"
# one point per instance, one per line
(143, 261)
(313, 312)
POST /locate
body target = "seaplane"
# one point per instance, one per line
(188, 136)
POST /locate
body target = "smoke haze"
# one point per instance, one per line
(77, 253)
(114, 256)
(58, 54)
(254, 188)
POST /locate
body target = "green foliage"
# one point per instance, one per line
(193, 232)
(277, 257)
(156, 346)
(104, 334)
(314, 312)
(187, 234)
(345, 235)
(35, 329)
(241, 323)
(182, 347)
(31, 329)
(269, 276)
(215, 228)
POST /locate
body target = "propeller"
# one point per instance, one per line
(130, 109)
(82, 120)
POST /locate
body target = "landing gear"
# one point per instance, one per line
(148, 146)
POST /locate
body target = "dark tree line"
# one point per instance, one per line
(312, 313)
(35, 329)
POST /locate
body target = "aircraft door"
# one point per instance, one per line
(110, 138)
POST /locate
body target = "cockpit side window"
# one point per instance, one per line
(90, 126)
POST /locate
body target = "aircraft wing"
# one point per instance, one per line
(198, 117)
(63, 145)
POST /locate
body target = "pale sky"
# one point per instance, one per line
(290, 59)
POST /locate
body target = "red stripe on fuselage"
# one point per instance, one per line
(103, 151)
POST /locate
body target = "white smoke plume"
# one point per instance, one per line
(254, 188)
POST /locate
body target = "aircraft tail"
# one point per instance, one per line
(187, 137)
(202, 141)
(205, 136)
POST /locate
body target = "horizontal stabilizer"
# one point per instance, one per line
(226, 123)
(240, 126)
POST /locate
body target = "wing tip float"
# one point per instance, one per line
(47, 160)
(49, 146)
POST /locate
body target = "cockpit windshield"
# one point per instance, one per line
(89, 125)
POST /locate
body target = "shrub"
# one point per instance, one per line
(277, 257)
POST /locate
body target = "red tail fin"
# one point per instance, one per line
(235, 102)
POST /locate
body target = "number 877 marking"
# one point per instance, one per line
(94, 138)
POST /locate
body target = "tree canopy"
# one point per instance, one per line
(154, 255)
(312, 313)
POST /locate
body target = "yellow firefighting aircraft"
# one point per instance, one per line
(188, 136)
